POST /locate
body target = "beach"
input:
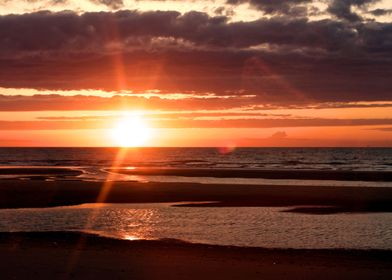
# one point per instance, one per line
(196, 140)
(83, 255)
(41, 193)
(62, 255)
(340, 175)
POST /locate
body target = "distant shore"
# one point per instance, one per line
(317, 199)
(60, 255)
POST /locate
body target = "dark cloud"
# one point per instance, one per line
(68, 103)
(57, 102)
(288, 7)
(114, 4)
(281, 60)
(129, 30)
(342, 8)
(381, 12)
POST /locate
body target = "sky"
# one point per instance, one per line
(225, 73)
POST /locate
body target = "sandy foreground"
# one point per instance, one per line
(62, 255)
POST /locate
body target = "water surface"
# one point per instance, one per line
(94, 162)
(245, 226)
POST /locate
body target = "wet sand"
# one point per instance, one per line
(59, 171)
(71, 255)
(41, 193)
(62, 255)
(337, 175)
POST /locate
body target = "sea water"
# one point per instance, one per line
(93, 162)
(268, 227)
(370, 159)
(240, 226)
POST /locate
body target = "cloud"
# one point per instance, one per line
(107, 32)
(85, 103)
(279, 135)
(387, 129)
(277, 6)
(381, 12)
(193, 123)
(342, 8)
(279, 59)
(173, 115)
(249, 105)
(114, 4)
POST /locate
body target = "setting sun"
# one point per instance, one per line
(131, 131)
(196, 139)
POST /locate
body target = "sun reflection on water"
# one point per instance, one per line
(249, 226)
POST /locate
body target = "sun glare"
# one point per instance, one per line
(131, 131)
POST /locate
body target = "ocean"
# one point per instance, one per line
(95, 162)
(371, 159)
(271, 227)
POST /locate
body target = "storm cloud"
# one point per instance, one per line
(343, 8)
(288, 7)
(278, 59)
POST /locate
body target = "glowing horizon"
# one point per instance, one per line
(223, 73)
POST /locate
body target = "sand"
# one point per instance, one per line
(59, 171)
(41, 193)
(62, 255)
(339, 175)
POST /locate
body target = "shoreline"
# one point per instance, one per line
(41, 193)
(300, 174)
(238, 173)
(71, 237)
(74, 255)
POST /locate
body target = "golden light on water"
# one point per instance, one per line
(131, 131)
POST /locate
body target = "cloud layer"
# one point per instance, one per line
(286, 58)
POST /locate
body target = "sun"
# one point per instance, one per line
(131, 131)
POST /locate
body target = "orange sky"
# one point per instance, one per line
(198, 73)
(35, 118)
(296, 137)
(308, 126)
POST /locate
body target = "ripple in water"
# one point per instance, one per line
(245, 226)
